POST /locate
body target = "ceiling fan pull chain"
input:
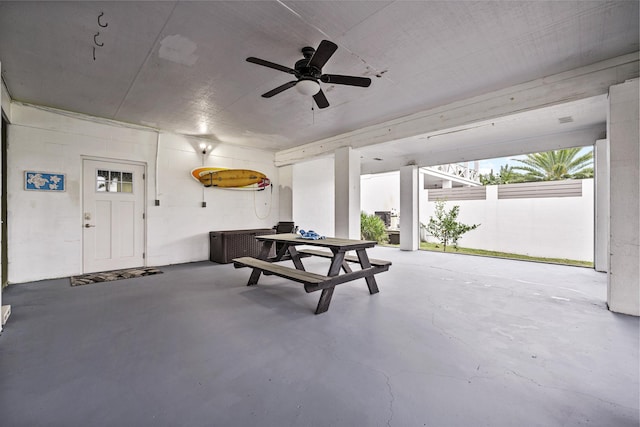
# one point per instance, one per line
(313, 113)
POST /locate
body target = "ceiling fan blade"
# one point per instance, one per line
(280, 89)
(270, 65)
(321, 100)
(345, 80)
(322, 54)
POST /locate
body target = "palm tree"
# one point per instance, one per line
(557, 164)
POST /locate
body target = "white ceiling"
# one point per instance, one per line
(180, 66)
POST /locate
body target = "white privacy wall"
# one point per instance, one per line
(550, 227)
(554, 227)
(380, 192)
(313, 195)
(45, 229)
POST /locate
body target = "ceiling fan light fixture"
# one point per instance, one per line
(308, 87)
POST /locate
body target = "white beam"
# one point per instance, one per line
(580, 83)
(457, 154)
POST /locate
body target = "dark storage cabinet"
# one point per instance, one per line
(224, 246)
(394, 237)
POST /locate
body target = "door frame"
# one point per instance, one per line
(4, 248)
(144, 201)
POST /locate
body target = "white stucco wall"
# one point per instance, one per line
(313, 195)
(45, 229)
(553, 227)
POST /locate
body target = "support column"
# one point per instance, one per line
(347, 193)
(601, 180)
(285, 193)
(623, 285)
(409, 221)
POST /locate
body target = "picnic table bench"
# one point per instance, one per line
(312, 281)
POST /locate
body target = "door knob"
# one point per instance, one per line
(88, 226)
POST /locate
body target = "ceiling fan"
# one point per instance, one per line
(308, 72)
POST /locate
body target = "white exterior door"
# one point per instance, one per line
(113, 218)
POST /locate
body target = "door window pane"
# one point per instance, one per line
(127, 182)
(114, 181)
(101, 180)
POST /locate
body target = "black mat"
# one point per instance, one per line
(109, 276)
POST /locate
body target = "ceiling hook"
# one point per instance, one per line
(99, 23)
(96, 41)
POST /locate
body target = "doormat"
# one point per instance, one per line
(109, 276)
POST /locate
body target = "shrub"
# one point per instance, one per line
(372, 228)
(445, 226)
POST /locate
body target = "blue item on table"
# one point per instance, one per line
(311, 235)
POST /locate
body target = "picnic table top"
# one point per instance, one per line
(329, 242)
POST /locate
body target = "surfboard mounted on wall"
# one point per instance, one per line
(233, 179)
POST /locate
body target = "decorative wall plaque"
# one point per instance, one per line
(44, 181)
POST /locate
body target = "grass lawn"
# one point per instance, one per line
(468, 251)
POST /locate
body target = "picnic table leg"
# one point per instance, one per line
(346, 268)
(255, 275)
(325, 300)
(264, 254)
(365, 263)
(295, 257)
(337, 263)
(281, 252)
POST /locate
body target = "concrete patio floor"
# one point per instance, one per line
(450, 340)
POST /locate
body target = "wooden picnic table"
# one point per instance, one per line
(312, 282)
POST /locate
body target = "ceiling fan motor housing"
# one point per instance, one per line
(302, 66)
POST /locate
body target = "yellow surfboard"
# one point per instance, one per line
(231, 178)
